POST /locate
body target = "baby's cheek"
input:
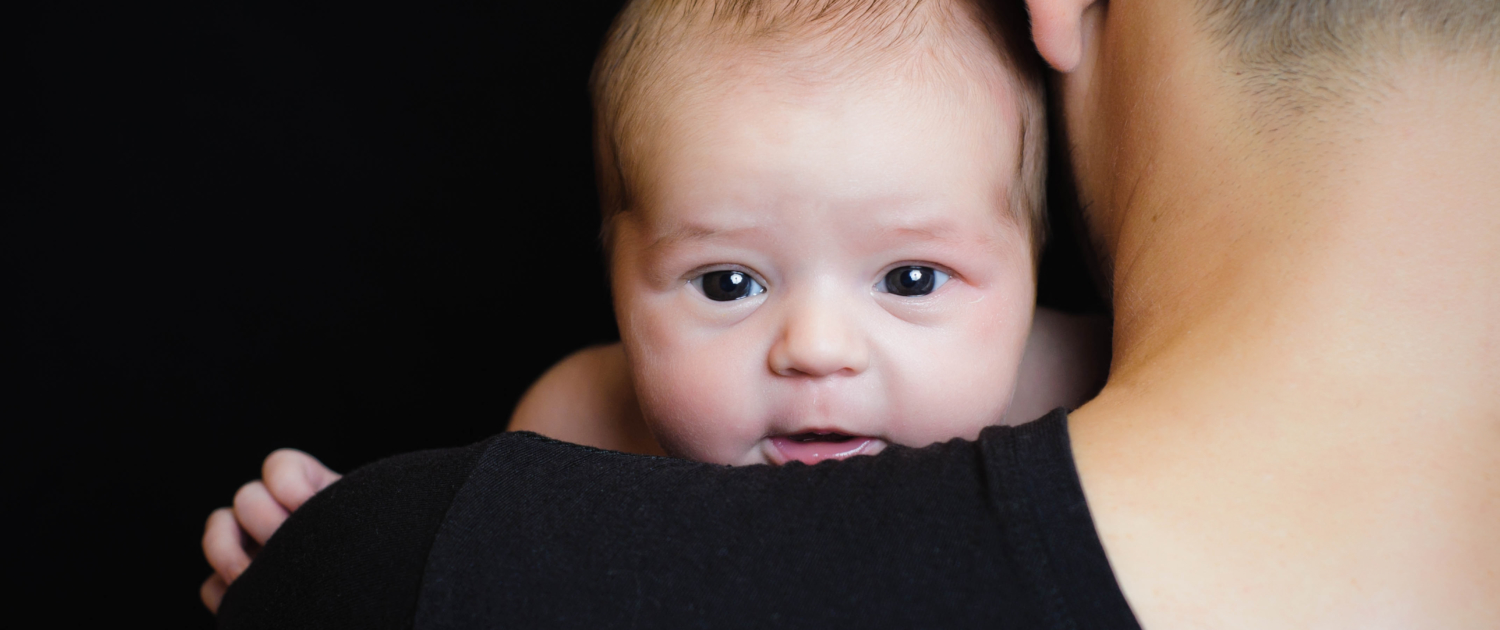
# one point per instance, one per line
(966, 380)
(960, 408)
(697, 403)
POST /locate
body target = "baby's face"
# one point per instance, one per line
(814, 272)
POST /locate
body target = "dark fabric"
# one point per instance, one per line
(353, 556)
(992, 534)
(1035, 488)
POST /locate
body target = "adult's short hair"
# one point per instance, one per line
(1301, 51)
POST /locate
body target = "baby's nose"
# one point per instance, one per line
(817, 340)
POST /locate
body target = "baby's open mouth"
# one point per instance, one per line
(811, 447)
(816, 436)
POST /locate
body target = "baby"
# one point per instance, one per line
(822, 219)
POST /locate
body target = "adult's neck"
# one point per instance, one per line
(1303, 410)
(1355, 247)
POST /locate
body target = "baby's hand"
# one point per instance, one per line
(587, 398)
(232, 536)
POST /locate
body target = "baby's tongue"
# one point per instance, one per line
(811, 448)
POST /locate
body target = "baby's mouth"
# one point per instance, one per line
(811, 447)
(831, 437)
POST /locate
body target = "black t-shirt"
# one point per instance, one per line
(524, 531)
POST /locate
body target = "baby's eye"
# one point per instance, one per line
(912, 281)
(727, 285)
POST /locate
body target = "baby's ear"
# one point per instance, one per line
(1057, 28)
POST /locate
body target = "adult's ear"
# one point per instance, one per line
(1057, 28)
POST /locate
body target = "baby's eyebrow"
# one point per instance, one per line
(682, 233)
(931, 231)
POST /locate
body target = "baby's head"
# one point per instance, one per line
(822, 219)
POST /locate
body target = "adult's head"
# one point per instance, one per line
(1296, 204)
(1165, 100)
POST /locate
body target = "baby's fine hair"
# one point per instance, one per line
(651, 41)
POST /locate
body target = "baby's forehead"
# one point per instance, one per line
(713, 93)
(747, 124)
(833, 116)
(875, 156)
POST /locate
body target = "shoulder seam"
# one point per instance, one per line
(475, 452)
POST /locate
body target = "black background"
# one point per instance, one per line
(352, 228)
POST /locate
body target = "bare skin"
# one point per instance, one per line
(1301, 426)
(231, 536)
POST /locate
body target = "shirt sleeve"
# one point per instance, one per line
(353, 556)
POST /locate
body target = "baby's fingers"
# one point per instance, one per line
(212, 592)
(293, 477)
(258, 512)
(223, 545)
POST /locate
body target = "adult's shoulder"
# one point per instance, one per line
(354, 555)
(993, 534)
(526, 531)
